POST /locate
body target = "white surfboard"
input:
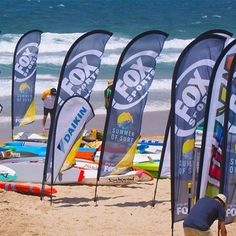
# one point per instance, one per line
(131, 177)
(7, 174)
(32, 172)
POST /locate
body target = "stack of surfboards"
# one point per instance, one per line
(30, 170)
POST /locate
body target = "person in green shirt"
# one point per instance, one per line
(107, 93)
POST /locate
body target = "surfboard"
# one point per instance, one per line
(151, 167)
(25, 136)
(27, 151)
(150, 142)
(131, 177)
(32, 172)
(7, 174)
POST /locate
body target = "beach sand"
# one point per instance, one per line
(119, 211)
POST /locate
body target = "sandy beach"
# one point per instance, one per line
(120, 210)
(49, 52)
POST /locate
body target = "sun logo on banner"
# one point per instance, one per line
(125, 120)
(188, 146)
(24, 87)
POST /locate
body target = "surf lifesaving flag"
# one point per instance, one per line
(78, 75)
(134, 75)
(228, 179)
(188, 100)
(211, 157)
(23, 78)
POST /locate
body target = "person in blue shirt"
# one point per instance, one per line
(203, 214)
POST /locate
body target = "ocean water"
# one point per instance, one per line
(63, 21)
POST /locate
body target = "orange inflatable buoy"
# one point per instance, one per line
(26, 188)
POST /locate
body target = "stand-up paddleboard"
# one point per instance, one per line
(27, 151)
(151, 167)
(145, 148)
(27, 188)
(139, 157)
(86, 165)
(147, 165)
(7, 174)
(131, 177)
(32, 172)
(22, 159)
(85, 153)
(150, 142)
(31, 137)
(24, 143)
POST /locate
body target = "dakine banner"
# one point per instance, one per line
(72, 117)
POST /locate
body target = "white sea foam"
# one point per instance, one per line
(44, 82)
(177, 43)
(217, 16)
(54, 47)
(168, 57)
(150, 107)
(161, 85)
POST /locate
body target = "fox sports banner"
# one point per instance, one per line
(78, 75)
(228, 179)
(23, 78)
(188, 100)
(133, 78)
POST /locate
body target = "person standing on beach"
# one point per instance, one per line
(48, 98)
(107, 93)
(203, 214)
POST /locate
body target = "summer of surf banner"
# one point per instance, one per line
(134, 75)
(211, 152)
(188, 100)
(228, 180)
(78, 75)
(23, 78)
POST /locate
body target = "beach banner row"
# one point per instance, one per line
(202, 99)
(203, 90)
